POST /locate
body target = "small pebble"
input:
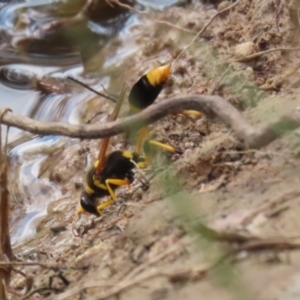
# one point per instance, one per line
(245, 49)
(58, 228)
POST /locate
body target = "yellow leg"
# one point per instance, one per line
(143, 133)
(192, 112)
(189, 113)
(163, 146)
(144, 164)
(80, 210)
(149, 153)
(113, 197)
(104, 205)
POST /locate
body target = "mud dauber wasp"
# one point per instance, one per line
(116, 169)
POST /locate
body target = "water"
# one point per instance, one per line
(34, 65)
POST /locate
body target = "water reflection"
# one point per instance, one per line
(33, 81)
(26, 227)
(29, 192)
(30, 62)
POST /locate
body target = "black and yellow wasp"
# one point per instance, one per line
(116, 169)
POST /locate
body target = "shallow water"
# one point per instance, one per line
(34, 65)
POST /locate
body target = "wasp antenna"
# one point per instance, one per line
(108, 93)
(94, 116)
(111, 98)
(105, 142)
(139, 170)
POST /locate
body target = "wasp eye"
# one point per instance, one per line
(87, 203)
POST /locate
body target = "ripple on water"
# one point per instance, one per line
(20, 21)
(28, 192)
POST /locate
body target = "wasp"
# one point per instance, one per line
(143, 94)
(116, 169)
(107, 173)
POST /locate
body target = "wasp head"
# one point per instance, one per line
(87, 204)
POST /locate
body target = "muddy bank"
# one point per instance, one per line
(146, 239)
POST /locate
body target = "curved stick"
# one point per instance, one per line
(212, 106)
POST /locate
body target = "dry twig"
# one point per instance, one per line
(124, 5)
(131, 8)
(253, 243)
(52, 266)
(6, 252)
(42, 289)
(176, 26)
(269, 205)
(270, 244)
(175, 248)
(258, 54)
(198, 273)
(220, 80)
(210, 105)
(205, 27)
(173, 275)
(245, 243)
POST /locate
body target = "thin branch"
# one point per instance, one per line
(269, 205)
(131, 8)
(80, 287)
(246, 243)
(175, 26)
(212, 106)
(124, 5)
(175, 248)
(6, 252)
(198, 272)
(113, 99)
(220, 80)
(241, 242)
(204, 28)
(258, 54)
(270, 244)
(38, 290)
(52, 266)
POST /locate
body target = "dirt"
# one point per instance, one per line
(216, 181)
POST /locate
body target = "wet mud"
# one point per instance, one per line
(216, 181)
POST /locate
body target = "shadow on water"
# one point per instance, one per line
(42, 44)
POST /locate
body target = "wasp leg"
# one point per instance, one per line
(144, 164)
(143, 133)
(104, 205)
(192, 112)
(189, 113)
(118, 182)
(149, 151)
(80, 210)
(165, 146)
